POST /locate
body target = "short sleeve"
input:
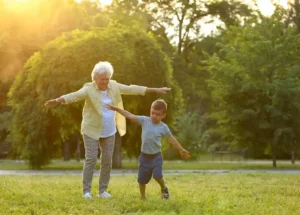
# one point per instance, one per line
(167, 131)
(141, 119)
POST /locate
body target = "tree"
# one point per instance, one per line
(294, 14)
(184, 16)
(28, 25)
(63, 65)
(5, 119)
(255, 85)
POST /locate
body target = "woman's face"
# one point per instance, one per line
(102, 81)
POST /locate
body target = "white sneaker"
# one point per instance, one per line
(87, 195)
(104, 195)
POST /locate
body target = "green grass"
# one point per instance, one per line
(168, 165)
(232, 194)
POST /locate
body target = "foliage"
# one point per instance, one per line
(178, 26)
(185, 17)
(294, 14)
(255, 86)
(5, 119)
(189, 133)
(64, 65)
(27, 26)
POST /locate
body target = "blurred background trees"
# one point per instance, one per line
(233, 72)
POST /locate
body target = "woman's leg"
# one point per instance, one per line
(91, 153)
(107, 149)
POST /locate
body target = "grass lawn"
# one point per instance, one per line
(168, 165)
(232, 194)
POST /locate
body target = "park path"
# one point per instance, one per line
(134, 172)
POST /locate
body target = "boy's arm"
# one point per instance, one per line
(125, 113)
(183, 153)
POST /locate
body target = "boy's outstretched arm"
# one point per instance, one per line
(125, 113)
(183, 153)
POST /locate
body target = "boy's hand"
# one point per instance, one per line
(184, 154)
(112, 107)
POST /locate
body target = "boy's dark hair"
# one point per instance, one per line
(159, 104)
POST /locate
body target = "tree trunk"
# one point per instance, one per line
(274, 155)
(78, 149)
(66, 150)
(293, 157)
(117, 156)
(293, 153)
(274, 160)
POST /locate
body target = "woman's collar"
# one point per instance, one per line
(97, 88)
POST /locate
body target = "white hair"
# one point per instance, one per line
(102, 67)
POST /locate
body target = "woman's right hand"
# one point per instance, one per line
(51, 103)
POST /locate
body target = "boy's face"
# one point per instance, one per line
(156, 115)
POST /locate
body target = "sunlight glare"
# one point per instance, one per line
(266, 7)
(16, 2)
(102, 2)
(106, 2)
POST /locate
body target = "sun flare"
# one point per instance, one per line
(102, 2)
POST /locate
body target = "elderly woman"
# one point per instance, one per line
(99, 124)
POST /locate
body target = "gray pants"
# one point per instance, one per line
(91, 145)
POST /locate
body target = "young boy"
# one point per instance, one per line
(150, 160)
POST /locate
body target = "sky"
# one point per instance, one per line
(265, 6)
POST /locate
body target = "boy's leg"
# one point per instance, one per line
(107, 149)
(91, 153)
(161, 182)
(157, 170)
(158, 176)
(164, 190)
(144, 174)
(143, 191)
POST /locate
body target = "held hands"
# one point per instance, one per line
(163, 90)
(184, 154)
